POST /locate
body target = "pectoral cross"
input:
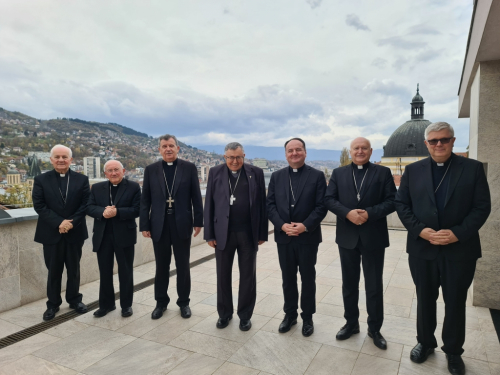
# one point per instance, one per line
(170, 201)
(359, 197)
(232, 199)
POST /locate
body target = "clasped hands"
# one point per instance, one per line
(109, 212)
(440, 237)
(65, 226)
(293, 229)
(357, 216)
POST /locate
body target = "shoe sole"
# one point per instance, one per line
(246, 329)
(430, 351)
(224, 326)
(345, 338)
(127, 315)
(52, 317)
(307, 335)
(378, 346)
(288, 329)
(100, 316)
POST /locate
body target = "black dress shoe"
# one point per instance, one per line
(79, 307)
(127, 311)
(245, 324)
(158, 312)
(100, 312)
(378, 340)
(222, 323)
(347, 331)
(420, 353)
(456, 365)
(307, 328)
(287, 323)
(50, 313)
(185, 312)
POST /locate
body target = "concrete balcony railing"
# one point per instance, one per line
(23, 275)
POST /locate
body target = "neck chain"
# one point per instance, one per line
(67, 187)
(360, 186)
(232, 198)
(443, 176)
(170, 200)
(291, 189)
(110, 196)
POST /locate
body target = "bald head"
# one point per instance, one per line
(60, 158)
(361, 151)
(114, 171)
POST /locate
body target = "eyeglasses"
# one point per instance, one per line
(443, 141)
(113, 170)
(233, 158)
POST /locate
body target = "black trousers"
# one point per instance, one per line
(247, 263)
(56, 256)
(163, 255)
(455, 278)
(373, 268)
(293, 256)
(106, 260)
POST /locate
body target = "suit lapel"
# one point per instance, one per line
(161, 178)
(54, 184)
(302, 182)
(456, 169)
(251, 181)
(178, 176)
(427, 180)
(225, 182)
(121, 189)
(370, 173)
(286, 183)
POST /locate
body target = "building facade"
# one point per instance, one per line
(92, 167)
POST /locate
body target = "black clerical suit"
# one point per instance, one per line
(302, 202)
(364, 243)
(461, 204)
(115, 236)
(55, 199)
(171, 224)
(237, 227)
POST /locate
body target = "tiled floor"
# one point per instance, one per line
(139, 345)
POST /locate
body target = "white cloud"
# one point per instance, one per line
(354, 21)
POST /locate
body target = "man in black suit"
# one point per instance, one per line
(60, 197)
(361, 194)
(236, 220)
(170, 204)
(114, 205)
(296, 208)
(442, 201)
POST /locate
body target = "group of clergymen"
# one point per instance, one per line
(443, 200)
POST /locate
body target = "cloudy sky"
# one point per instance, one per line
(256, 71)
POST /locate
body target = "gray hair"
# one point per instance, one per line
(233, 146)
(61, 146)
(438, 126)
(166, 137)
(119, 162)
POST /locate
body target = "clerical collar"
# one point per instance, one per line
(170, 163)
(445, 164)
(234, 173)
(116, 184)
(295, 170)
(364, 166)
(61, 174)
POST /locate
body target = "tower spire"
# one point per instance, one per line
(417, 106)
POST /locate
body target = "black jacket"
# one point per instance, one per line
(127, 203)
(309, 207)
(186, 194)
(217, 205)
(377, 198)
(467, 206)
(51, 210)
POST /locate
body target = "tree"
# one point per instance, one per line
(344, 157)
(327, 174)
(2, 145)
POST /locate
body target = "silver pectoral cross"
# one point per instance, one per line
(232, 199)
(359, 197)
(170, 201)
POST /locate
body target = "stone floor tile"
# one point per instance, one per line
(271, 285)
(31, 365)
(144, 324)
(325, 330)
(276, 354)
(369, 365)
(402, 281)
(473, 347)
(332, 360)
(273, 326)
(397, 310)
(400, 330)
(393, 351)
(25, 347)
(333, 297)
(7, 328)
(398, 296)
(197, 364)
(114, 320)
(270, 305)
(328, 309)
(140, 357)
(170, 329)
(234, 369)
(30, 314)
(85, 348)
(66, 329)
(328, 281)
(436, 364)
(495, 368)
(203, 310)
(492, 346)
(203, 287)
(206, 344)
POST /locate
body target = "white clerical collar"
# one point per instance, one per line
(169, 163)
(62, 174)
(360, 167)
(234, 172)
(440, 164)
(295, 169)
(115, 185)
